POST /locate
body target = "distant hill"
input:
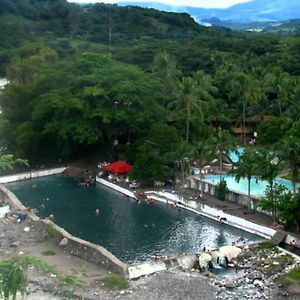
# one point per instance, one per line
(289, 27)
(253, 11)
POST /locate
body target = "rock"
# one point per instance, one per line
(187, 262)
(26, 229)
(15, 244)
(230, 284)
(63, 242)
(258, 283)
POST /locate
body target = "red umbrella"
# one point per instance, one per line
(119, 167)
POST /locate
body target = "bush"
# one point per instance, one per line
(266, 245)
(115, 282)
(48, 253)
(222, 190)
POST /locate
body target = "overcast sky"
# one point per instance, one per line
(194, 3)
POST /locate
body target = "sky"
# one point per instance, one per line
(193, 3)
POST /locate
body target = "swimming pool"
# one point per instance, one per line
(234, 154)
(132, 231)
(257, 187)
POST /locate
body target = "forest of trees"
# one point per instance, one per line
(84, 76)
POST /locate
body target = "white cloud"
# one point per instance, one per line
(193, 3)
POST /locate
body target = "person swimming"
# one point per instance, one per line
(97, 212)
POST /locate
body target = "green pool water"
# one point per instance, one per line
(133, 232)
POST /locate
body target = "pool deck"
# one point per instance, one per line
(227, 207)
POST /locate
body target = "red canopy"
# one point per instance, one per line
(119, 167)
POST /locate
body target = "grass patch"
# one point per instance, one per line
(52, 232)
(295, 274)
(114, 282)
(293, 277)
(286, 281)
(48, 253)
(266, 245)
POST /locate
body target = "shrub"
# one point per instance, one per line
(222, 190)
(115, 282)
(48, 253)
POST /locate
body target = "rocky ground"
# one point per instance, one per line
(263, 266)
(257, 275)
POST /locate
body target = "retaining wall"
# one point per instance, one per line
(75, 246)
(88, 251)
(116, 187)
(28, 175)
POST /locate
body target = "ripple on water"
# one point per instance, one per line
(131, 231)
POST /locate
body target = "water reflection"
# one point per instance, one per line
(131, 231)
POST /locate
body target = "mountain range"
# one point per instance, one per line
(253, 11)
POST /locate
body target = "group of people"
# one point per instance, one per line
(87, 179)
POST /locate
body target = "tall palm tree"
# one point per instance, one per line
(293, 110)
(247, 167)
(187, 100)
(165, 66)
(289, 151)
(219, 144)
(192, 92)
(183, 154)
(277, 84)
(246, 89)
(200, 154)
(268, 167)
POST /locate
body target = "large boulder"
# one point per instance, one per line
(188, 261)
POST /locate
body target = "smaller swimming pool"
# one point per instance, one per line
(234, 155)
(257, 187)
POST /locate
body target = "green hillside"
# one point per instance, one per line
(162, 80)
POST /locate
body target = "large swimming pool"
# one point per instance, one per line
(257, 187)
(131, 231)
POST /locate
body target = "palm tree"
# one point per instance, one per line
(219, 144)
(218, 112)
(165, 66)
(200, 154)
(186, 101)
(183, 154)
(277, 84)
(246, 89)
(7, 162)
(192, 92)
(247, 167)
(289, 151)
(269, 167)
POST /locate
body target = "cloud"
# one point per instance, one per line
(193, 3)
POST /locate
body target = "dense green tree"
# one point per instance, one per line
(274, 200)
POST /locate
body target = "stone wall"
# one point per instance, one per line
(88, 251)
(75, 246)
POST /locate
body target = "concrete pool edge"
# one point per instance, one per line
(75, 246)
(32, 174)
(204, 210)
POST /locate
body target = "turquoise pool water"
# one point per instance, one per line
(234, 154)
(131, 231)
(257, 187)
